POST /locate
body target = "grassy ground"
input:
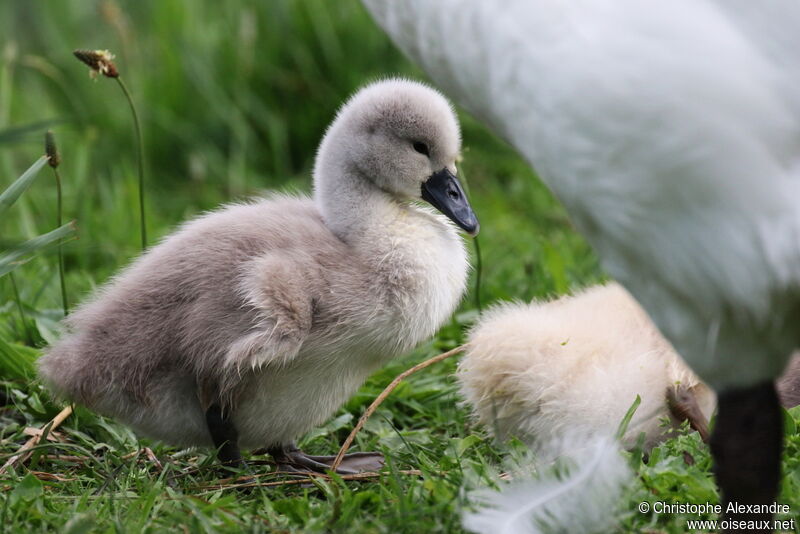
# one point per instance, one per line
(234, 100)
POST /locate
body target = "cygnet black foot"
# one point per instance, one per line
(226, 440)
(290, 458)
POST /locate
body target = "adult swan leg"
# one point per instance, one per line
(747, 444)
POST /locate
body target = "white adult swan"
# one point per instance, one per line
(671, 133)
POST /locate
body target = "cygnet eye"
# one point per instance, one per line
(421, 147)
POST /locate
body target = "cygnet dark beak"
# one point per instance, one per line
(443, 191)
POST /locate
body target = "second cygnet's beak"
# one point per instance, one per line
(443, 191)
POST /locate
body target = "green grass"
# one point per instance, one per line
(233, 99)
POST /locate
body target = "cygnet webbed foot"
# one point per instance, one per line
(684, 407)
(290, 458)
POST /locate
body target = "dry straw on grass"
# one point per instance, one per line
(382, 397)
(26, 450)
(307, 478)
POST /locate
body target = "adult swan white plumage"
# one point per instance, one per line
(671, 133)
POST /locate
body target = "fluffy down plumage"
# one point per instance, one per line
(279, 309)
(539, 370)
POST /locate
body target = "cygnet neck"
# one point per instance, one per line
(351, 205)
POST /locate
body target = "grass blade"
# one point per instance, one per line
(18, 133)
(20, 254)
(17, 361)
(140, 158)
(10, 195)
(623, 425)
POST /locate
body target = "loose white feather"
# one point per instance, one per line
(574, 493)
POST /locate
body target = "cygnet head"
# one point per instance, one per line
(399, 137)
